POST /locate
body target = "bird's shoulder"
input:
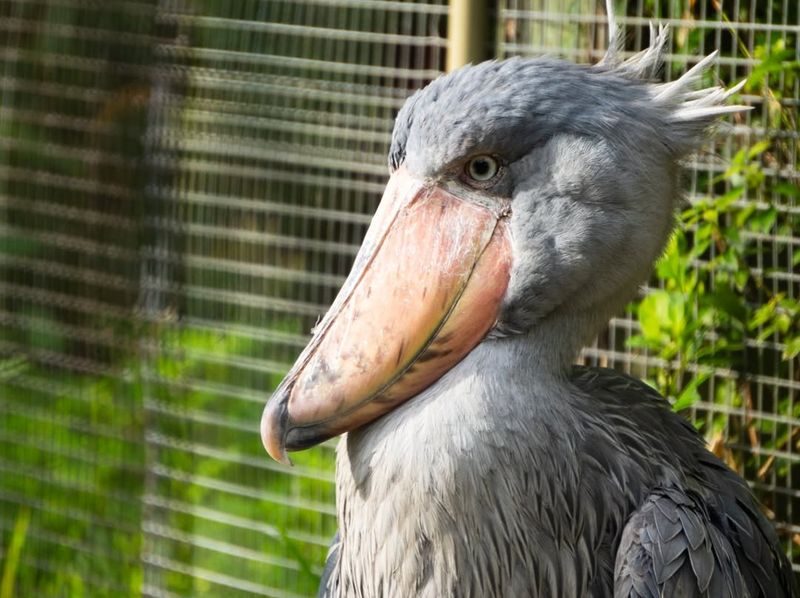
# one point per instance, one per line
(679, 544)
(696, 528)
(620, 386)
(635, 415)
(624, 412)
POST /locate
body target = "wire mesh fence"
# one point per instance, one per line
(183, 186)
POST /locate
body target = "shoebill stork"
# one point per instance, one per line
(528, 199)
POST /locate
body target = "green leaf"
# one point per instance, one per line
(723, 202)
(653, 312)
(676, 319)
(787, 189)
(728, 302)
(689, 394)
(758, 149)
(776, 62)
(740, 278)
(764, 313)
(13, 552)
(638, 341)
(763, 221)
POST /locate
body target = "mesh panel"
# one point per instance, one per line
(73, 102)
(270, 154)
(183, 186)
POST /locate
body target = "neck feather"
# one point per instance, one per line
(552, 345)
(460, 446)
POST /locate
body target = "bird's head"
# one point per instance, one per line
(518, 189)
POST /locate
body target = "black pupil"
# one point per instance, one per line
(481, 167)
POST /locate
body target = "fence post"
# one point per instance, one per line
(467, 32)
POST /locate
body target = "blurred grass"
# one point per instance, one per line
(18, 535)
(75, 457)
(146, 469)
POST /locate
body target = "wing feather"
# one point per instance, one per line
(663, 562)
(700, 523)
(677, 544)
(327, 583)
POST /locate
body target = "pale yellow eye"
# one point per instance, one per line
(482, 168)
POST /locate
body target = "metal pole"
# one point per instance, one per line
(467, 32)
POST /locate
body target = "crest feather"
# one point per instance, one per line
(696, 109)
(614, 38)
(646, 64)
(690, 111)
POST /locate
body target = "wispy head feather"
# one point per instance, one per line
(646, 64)
(615, 38)
(689, 111)
(692, 111)
(514, 105)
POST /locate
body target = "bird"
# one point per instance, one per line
(527, 201)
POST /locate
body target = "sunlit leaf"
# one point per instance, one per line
(689, 395)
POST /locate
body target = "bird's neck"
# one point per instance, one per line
(550, 348)
(489, 421)
(510, 377)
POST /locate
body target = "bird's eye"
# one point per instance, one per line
(482, 168)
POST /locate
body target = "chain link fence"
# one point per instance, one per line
(183, 186)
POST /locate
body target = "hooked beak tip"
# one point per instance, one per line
(274, 427)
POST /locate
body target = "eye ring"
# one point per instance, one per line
(482, 169)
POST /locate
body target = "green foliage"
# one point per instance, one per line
(713, 296)
(773, 60)
(11, 559)
(76, 468)
(724, 314)
(227, 465)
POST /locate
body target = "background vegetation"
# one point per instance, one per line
(182, 190)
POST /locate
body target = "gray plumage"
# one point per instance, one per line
(516, 474)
